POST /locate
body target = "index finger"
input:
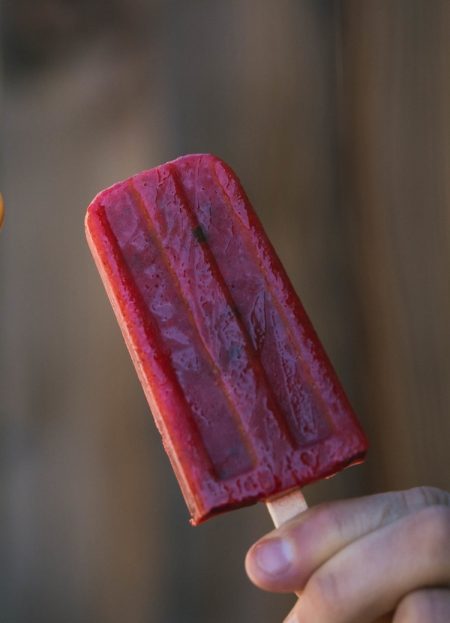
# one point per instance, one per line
(284, 559)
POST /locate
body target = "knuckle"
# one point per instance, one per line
(396, 504)
(425, 496)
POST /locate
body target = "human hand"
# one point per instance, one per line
(383, 558)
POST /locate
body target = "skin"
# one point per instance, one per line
(378, 559)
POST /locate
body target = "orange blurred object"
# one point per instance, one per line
(2, 210)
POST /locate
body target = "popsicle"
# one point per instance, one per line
(247, 403)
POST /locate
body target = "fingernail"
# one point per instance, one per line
(273, 556)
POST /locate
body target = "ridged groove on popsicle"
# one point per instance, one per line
(301, 403)
(212, 309)
(196, 339)
(177, 341)
(316, 366)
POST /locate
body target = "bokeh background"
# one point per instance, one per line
(336, 115)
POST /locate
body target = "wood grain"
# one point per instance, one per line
(335, 115)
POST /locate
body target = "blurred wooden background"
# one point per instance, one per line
(336, 117)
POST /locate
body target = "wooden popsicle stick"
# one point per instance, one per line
(285, 507)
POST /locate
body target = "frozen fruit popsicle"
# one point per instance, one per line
(241, 390)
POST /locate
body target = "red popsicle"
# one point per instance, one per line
(243, 394)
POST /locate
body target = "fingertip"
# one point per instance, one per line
(269, 562)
